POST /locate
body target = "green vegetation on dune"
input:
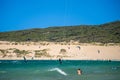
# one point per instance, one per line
(40, 53)
(105, 33)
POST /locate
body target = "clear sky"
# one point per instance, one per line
(26, 14)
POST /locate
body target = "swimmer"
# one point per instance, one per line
(79, 72)
(60, 61)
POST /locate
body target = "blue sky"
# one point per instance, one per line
(27, 14)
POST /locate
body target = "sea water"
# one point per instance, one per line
(53, 70)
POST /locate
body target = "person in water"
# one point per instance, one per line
(79, 72)
(24, 59)
(60, 61)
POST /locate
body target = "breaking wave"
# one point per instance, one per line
(59, 71)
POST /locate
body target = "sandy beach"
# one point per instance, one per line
(53, 51)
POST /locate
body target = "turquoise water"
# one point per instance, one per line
(52, 70)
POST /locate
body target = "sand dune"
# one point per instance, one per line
(55, 51)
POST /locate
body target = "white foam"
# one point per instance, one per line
(58, 70)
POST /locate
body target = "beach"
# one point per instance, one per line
(54, 51)
(41, 61)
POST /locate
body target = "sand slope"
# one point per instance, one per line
(72, 51)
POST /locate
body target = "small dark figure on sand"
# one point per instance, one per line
(98, 51)
(32, 58)
(78, 47)
(68, 47)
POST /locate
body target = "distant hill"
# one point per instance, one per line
(104, 33)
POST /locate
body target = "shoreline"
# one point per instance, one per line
(64, 59)
(57, 60)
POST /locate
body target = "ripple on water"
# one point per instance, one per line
(3, 71)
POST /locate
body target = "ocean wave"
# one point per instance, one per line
(59, 71)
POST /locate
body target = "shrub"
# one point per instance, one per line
(3, 52)
(20, 53)
(63, 51)
(40, 53)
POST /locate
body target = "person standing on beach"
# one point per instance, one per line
(98, 51)
(78, 47)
